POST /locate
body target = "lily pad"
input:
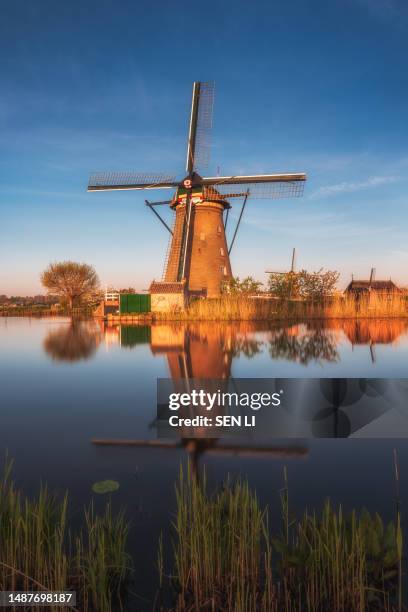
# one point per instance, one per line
(105, 486)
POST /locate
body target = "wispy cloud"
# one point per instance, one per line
(349, 187)
(383, 8)
(325, 226)
(399, 253)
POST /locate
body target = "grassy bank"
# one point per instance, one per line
(38, 551)
(227, 556)
(243, 308)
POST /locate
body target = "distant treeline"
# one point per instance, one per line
(28, 300)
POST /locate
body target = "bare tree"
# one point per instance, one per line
(74, 283)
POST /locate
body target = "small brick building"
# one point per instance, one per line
(168, 296)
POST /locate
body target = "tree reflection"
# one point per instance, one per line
(304, 345)
(74, 342)
(249, 347)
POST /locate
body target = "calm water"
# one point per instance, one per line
(62, 385)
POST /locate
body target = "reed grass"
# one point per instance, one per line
(227, 558)
(242, 308)
(39, 552)
(221, 548)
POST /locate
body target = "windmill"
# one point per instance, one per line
(290, 274)
(292, 266)
(198, 254)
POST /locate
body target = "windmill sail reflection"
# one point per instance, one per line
(203, 351)
(210, 351)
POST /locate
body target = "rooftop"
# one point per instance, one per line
(376, 285)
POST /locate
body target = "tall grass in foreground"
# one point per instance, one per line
(219, 555)
(229, 308)
(38, 552)
(226, 557)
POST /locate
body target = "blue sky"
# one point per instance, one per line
(318, 86)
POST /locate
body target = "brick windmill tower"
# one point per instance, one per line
(198, 255)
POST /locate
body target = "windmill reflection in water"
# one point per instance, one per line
(207, 350)
(204, 352)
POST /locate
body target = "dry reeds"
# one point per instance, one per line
(243, 308)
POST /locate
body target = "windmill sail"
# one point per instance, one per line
(201, 121)
(106, 181)
(269, 186)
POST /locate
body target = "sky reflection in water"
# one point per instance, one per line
(63, 384)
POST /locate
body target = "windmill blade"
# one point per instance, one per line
(131, 442)
(108, 181)
(240, 450)
(201, 120)
(240, 179)
(259, 451)
(269, 186)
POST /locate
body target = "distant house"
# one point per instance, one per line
(365, 287)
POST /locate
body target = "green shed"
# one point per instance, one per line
(131, 335)
(134, 303)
